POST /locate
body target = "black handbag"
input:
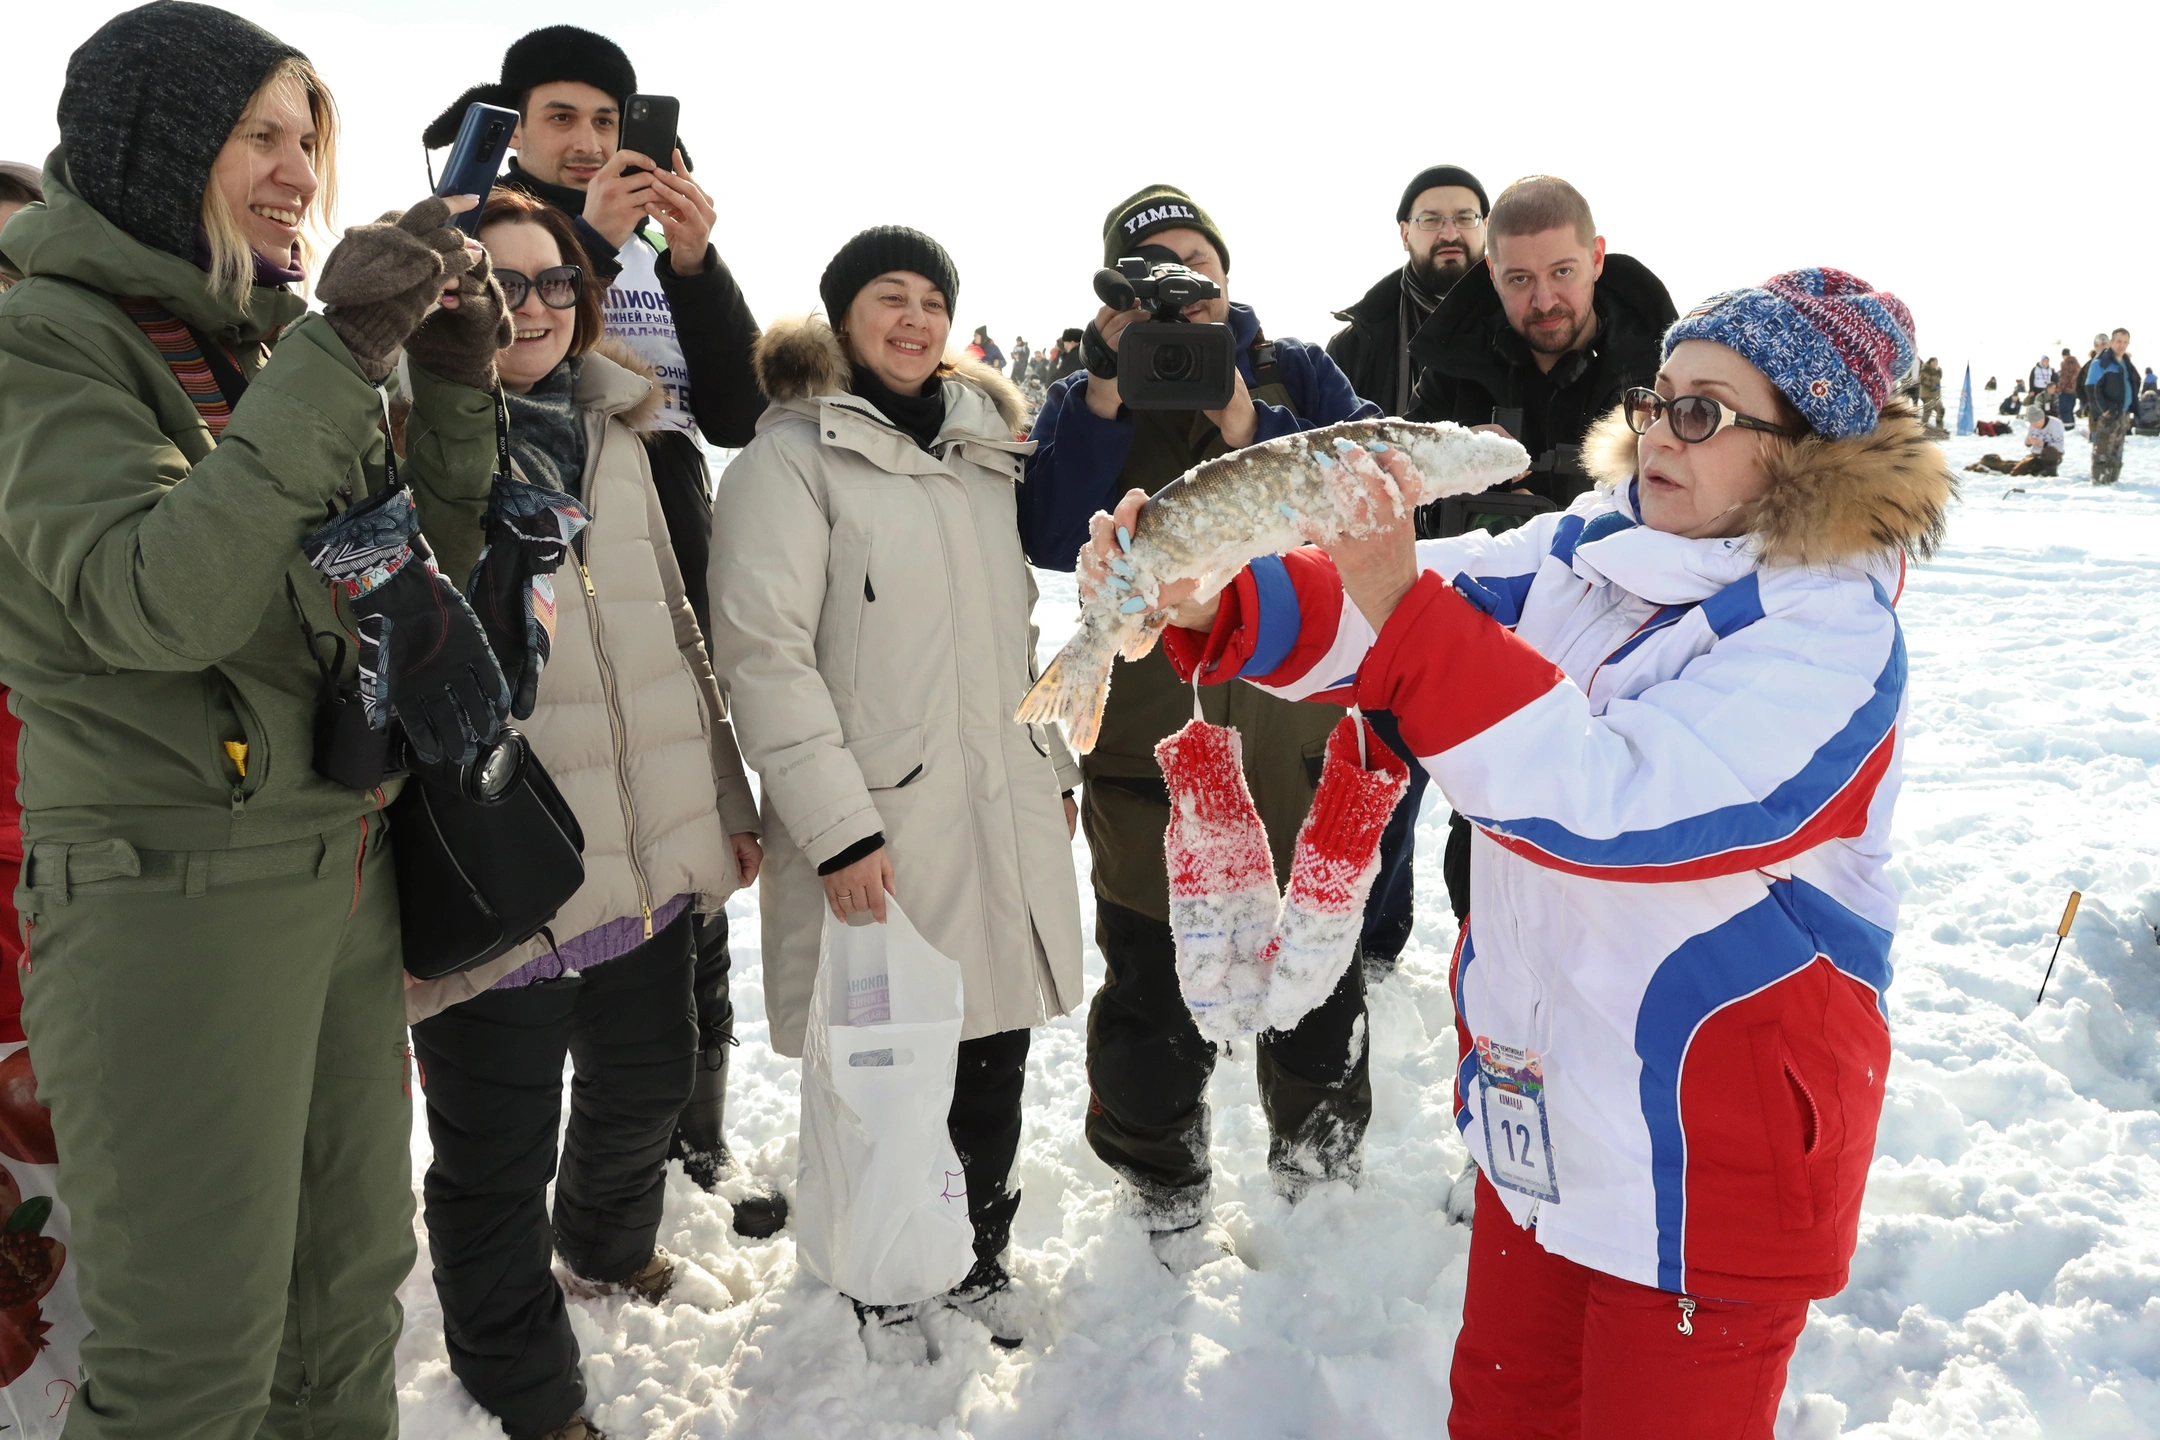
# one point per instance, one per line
(486, 854)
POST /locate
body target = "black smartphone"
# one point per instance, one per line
(1508, 418)
(648, 127)
(476, 158)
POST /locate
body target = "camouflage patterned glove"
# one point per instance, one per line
(423, 657)
(529, 530)
(380, 281)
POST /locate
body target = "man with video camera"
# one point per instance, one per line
(1098, 436)
(677, 305)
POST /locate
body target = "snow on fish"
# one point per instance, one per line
(1223, 514)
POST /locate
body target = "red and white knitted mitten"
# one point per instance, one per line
(1338, 854)
(1223, 901)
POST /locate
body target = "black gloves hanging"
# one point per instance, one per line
(529, 530)
(423, 657)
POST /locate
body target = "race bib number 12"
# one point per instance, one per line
(1511, 1097)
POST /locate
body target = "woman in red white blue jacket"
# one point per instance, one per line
(1673, 716)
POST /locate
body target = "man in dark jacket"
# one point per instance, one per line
(1148, 1066)
(2111, 398)
(677, 305)
(1068, 360)
(1441, 218)
(1551, 327)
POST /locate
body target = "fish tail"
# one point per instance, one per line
(1072, 690)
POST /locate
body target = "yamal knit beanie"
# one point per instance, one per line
(877, 250)
(1836, 346)
(149, 101)
(1158, 207)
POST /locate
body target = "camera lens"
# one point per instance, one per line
(1173, 362)
(489, 776)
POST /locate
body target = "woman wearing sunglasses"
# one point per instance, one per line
(628, 720)
(1672, 714)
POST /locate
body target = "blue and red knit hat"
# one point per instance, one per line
(1833, 344)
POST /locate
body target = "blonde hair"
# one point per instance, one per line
(232, 260)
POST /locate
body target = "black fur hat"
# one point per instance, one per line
(558, 52)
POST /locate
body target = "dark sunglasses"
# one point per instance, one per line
(558, 285)
(1694, 418)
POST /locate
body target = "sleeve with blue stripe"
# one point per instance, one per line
(1763, 747)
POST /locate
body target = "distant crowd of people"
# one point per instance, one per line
(2104, 389)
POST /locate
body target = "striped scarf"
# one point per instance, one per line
(178, 344)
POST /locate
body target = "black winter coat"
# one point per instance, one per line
(1369, 348)
(1469, 361)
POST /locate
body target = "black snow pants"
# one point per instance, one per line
(984, 1123)
(700, 1140)
(1148, 1070)
(493, 1068)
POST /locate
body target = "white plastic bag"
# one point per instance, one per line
(880, 1199)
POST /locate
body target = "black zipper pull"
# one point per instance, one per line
(868, 593)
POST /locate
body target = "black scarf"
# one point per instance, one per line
(921, 416)
(547, 435)
(1416, 307)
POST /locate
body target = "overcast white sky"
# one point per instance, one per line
(1980, 160)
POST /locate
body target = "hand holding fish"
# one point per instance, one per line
(1110, 538)
(1377, 556)
(1192, 537)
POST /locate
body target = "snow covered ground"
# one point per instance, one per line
(2009, 1261)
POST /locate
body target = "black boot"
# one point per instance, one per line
(700, 1140)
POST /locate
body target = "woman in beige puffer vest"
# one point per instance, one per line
(871, 626)
(629, 722)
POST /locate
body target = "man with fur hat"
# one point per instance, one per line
(1148, 1066)
(677, 305)
(1441, 219)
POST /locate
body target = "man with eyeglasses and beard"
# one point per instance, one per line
(1441, 219)
(669, 297)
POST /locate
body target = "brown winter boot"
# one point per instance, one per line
(650, 1283)
(579, 1428)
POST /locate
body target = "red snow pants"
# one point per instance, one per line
(1553, 1350)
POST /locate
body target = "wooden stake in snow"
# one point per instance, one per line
(2061, 931)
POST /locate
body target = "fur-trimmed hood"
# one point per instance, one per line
(800, 357)
(1826, 500)
(638, 413)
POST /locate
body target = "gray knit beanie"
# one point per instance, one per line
(149, 101)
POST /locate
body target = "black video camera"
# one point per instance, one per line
(1167, 363)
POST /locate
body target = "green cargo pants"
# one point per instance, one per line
(221, 1037)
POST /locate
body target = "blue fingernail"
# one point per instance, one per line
(1346, 446)
(1118, 582)
(1133, 606)
(1323, 457)
(1288, 513)
(1123, 567)
(1376, 446)
(1124, 539)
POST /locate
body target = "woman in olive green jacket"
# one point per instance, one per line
(212, 990)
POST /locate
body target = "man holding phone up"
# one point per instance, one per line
(679, 308)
